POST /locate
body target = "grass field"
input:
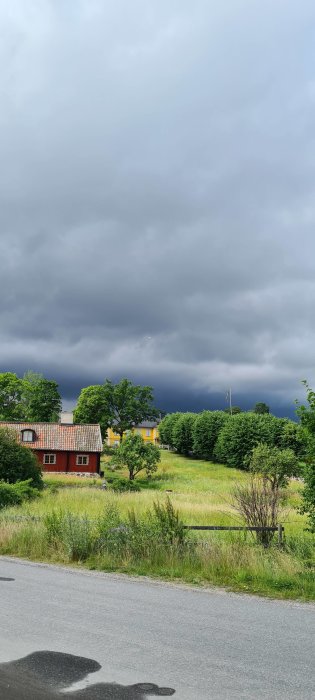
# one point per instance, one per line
(201, 492)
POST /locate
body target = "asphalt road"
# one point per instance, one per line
(110, 637)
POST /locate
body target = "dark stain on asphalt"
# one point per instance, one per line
(3, 578)
(46, 675)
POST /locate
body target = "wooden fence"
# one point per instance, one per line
(279, 529)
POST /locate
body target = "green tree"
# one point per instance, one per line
(233, 410)
(307, 417)
(11, 388)
(41, 398)
(274, 465)
(136, 455)
(240, 434)
(122, 405)
(166, 428)
(183, 433)
(289, 434)
(17, 463)
(261, 407)
(206, 429)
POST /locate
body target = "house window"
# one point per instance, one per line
(148, 433)
(82, 460)
(49, 459)
(28, 436)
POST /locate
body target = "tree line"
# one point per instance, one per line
(230, 439)
(31, 398)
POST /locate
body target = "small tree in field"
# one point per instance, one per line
(275, 466)
(136, 455)
(259, 500)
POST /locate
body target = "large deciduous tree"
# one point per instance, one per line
(41, 398)
(120, 405)
(166, 428)
(206, 429)
(32, 398)
(11, 389)
(183, 433)
(240, 434)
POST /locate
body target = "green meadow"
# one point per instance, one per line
(201, 492)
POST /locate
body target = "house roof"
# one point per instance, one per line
(147, 424)
(58, 437)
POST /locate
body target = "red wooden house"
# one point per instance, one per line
(62, 447)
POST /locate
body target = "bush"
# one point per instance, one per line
(15, 494)
(17, 463)
(206, 430)
(166, 428)
(121, 485)
(239, 436)
(183, 433)
(259, 504)
(74, 533)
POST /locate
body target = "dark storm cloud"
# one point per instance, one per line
(157, 195)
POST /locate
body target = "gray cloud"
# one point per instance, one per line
(157, 194)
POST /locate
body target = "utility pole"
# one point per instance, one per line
(229, 399)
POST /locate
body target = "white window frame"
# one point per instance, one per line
(49, 458)
(27, 432)
(148, 432)
(82, 460)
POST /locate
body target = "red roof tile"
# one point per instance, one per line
(57, 437)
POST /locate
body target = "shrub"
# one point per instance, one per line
(74, 533)
(121, 485)
(17, 463)
(183, 433)
(206, 429)
(169, 525)
(166, 428)
(259, 504)
(15, 494)
(239, 436)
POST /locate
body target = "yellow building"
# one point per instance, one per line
(148, 431)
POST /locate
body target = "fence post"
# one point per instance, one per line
(280, 534)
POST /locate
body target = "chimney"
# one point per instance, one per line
(66, 418)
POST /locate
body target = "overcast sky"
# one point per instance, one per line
(157, 196)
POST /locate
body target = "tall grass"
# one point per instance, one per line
(125, 532)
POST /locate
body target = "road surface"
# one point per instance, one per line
(104, 637)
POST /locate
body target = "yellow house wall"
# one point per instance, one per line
(113, 437)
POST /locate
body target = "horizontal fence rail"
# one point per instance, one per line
(278, 528)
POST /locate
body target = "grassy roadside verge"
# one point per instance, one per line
(73, 522)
